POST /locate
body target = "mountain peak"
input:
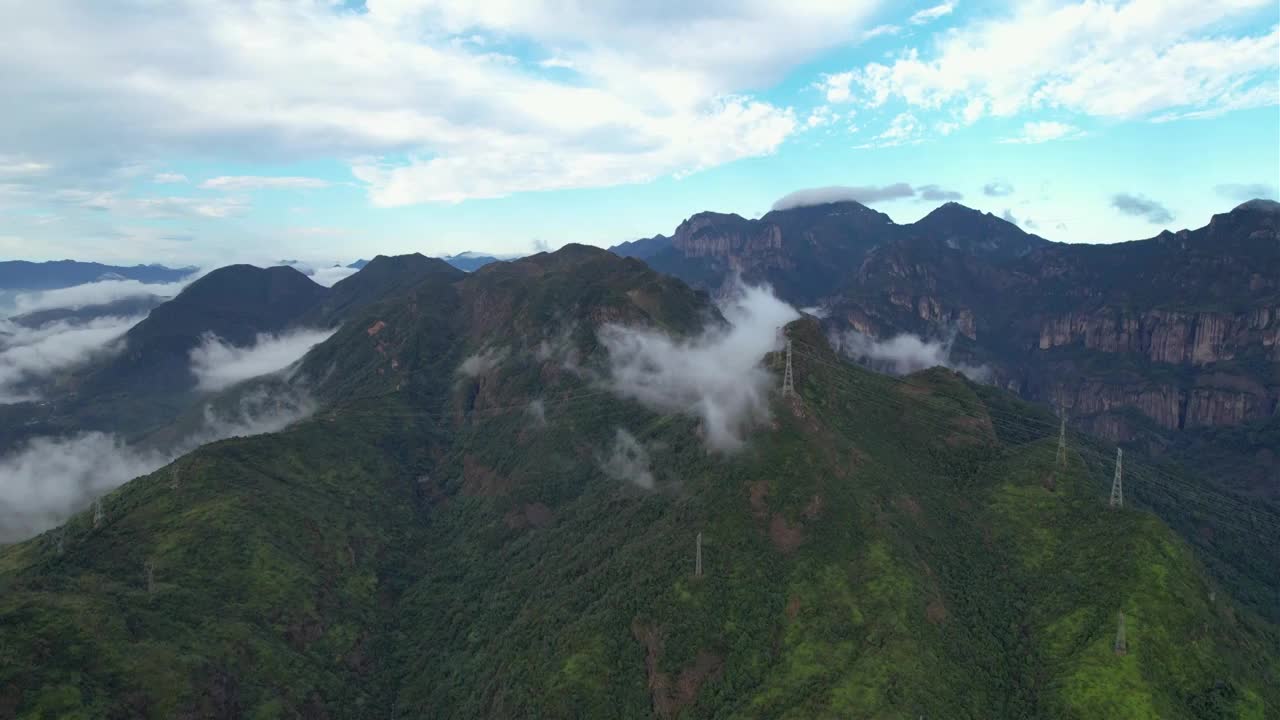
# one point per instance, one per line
(1258, 205)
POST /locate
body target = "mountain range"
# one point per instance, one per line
(577, 485)
(1172, 342)
(22, 275)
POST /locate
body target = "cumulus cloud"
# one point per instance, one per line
(27, 354)
(997, 189)
(1240, 192)
(217, 364)
(903, 354)
(843, 193)
(1008, 216)
(103, 292)
(50, 478)
(904, 129)
(716, 376)
(1140, 206)
(628, 461)
(430, 119)
(1105, 59)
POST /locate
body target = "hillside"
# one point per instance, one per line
(473, 526)
(1163, 344)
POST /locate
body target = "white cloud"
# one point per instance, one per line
(218, 365)
(151, 207)
(482, 362)
(259, 182)
(658, 90)
(836, 87)
(1108, 59)
(1043, 131)
(716, 376)
(331, 275)
(50, 478)
(820, 116)
(628, 461)
(164, 178)
(904, 129)
(880, 30)
(903, 354)
(840, 193)
(102, 292)
(928, 15)
(31, 354)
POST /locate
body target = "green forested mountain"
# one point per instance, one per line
(474, 526)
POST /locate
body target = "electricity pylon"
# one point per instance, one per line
(697, 563)
(97, 513)
(1117, 485)
(1122, 645)
(1062, 440)
(788, 378)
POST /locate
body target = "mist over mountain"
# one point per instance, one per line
(538, 449)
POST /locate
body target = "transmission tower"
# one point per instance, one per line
(97, 513)
(697, 563)
(151, 577)
(1122, 645)
(1062, 440)
(788, 379)
(1117, 485)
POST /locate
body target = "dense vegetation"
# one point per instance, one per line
(429, 546)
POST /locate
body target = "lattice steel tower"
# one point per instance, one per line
(788, 378)
(1117, 485)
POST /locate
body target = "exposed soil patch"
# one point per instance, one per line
(785, 537)
(376, 328)
(936, 612)
(671, 696)
(909, 504)
(759, 491)
(793, 607)
(479, 480)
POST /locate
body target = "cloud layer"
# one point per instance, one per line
(716, 376)
(96, 293)
(865, 194)
(218, 365)
(50, 478)
(628, 461)
(423, 95)
(28, 355)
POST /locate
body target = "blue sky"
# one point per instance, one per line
(208, 132)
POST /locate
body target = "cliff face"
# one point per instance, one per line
(1196, 338)
(1140, 341)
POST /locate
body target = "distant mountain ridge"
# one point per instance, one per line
(24, 275)
(807, 253)
(1140, 341)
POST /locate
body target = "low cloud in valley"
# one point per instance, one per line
(32, 354)
(48, 479)
(716, 376)
(903, 354)
(218, 364)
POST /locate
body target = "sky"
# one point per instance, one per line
(206, 132)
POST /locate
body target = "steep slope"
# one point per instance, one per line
(452, 537)
(803, 252)
(1136, 339)
(378, 279)
(809, 253)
